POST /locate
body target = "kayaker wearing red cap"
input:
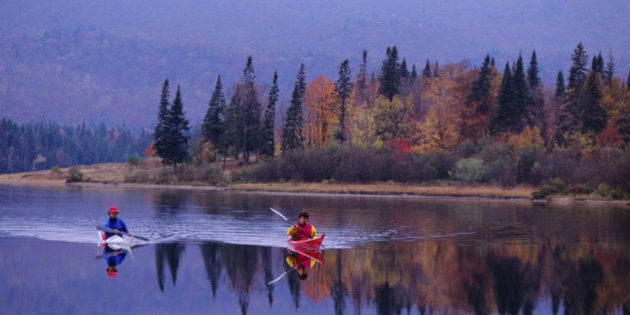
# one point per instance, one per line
(302, 229)
(114, 223)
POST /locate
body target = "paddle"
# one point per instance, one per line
(281, 215)
(108, 230)
(280, 277)
(285, 219)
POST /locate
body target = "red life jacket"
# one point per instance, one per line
(303, 232)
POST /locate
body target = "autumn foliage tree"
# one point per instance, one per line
(321, 112)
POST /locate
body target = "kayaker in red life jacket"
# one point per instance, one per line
(302, 229)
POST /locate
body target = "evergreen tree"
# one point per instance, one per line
(212, 126)
(231, 138)
(162, 128)
(427, 70)
(571, 116)
(609, 71)
(534, 113)
(597, 65)
(250, 111)
(343, 89)
(595, 117)
(503, 119)
(292, 138)
(559, 94)
(390, 74)
(414, 73)
(532, 72)
(267, 142)
(362, 81)
(404, 71)
(436, 70)
(521, 97)
(178, 151)
(477, 109)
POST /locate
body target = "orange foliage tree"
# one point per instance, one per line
(321, 115)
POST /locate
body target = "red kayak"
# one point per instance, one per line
(311, 243)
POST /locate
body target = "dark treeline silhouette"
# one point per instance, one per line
(41, 146)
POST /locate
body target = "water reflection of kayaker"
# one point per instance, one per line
(113, 258)
(301, 263)
(302, 229)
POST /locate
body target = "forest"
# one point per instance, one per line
(447, 122)
(47, 145)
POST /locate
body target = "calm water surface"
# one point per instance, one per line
(214, 252)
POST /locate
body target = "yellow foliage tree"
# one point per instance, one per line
(616, 101)
(321, 115)
(360, 126)
(443, 97)
(393, 120)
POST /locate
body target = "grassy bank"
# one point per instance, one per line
(119, 174)
(441, 190)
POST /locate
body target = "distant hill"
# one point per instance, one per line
(91, 61)
(72, 76)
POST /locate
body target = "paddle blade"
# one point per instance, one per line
(280, 214)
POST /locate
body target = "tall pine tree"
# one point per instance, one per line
(521, 97)
(390, 74)
(503, 119)
(581, 112)
(212, 126)
(427, 70)
(179, 132)
(609, 70)
(162, 130)
(595, 117)
(559, 93)
(292, 138)
(343, 89)
(477, 111)
(267, 142)
(534, 112)
(251, 111)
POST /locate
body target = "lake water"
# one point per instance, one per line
(215, 252)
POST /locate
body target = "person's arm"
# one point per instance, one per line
(292, 230)
(123, 227)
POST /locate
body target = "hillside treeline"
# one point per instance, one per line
(40, 146)
(421, 125)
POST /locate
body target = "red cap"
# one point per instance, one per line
(111, 273)
(113, 209)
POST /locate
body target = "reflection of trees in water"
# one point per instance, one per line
(212, 262)
(577, 281)
(430, 276)
(265, 252)
(339, 290)
(240, 264)
(171, 253)
(515, 284)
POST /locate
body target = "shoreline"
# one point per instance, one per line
(113, 175)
